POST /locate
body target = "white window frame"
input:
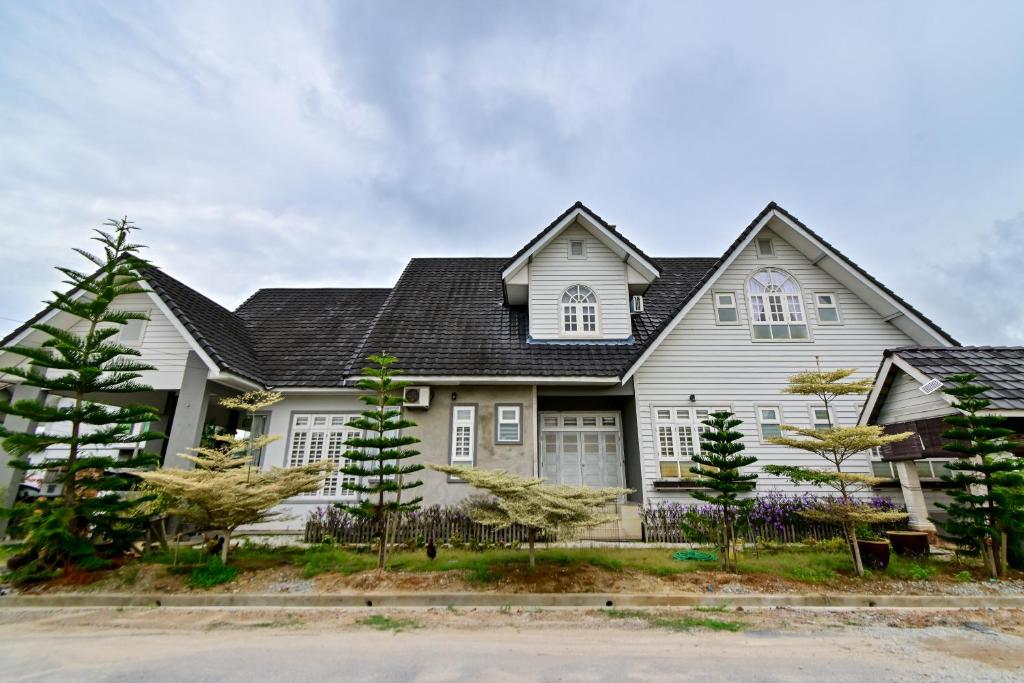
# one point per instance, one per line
(761, 421)
(263, 418)
(812, 415)
(500, 421)
(458, 423)
(772, 253)
(716, 304)
(682, 426)
(317, 436)
(834, 306)
(583, 249)
(132, 343)
(777, 309)
(579, 311)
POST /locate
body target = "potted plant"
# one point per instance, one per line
(909, 543)
(874, 550)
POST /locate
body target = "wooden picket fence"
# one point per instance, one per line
(444, 527)
(788, 533)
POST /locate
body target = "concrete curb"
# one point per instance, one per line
(584, 600)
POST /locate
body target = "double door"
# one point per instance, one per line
(581, 449)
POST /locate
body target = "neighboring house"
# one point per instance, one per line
(580, 359)
(908, 397)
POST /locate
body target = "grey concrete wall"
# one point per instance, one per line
(434, 430)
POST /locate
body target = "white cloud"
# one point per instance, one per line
(277, 143)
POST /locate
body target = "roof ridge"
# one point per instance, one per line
(578, 205)
(175, 307)
(349, 366)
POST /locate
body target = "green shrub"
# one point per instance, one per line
(920, 573)
(964, 577)
(211, 574)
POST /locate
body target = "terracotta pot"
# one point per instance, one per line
(874, 554)
(909, 543)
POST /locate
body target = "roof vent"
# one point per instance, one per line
(636, 304)
(930, 387)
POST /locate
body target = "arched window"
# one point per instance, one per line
(579, 310)
(776, 305)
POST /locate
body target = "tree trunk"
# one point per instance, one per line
(1004, 541)
(382, 552)
(858, 563)
(531, 535)
(227, 545)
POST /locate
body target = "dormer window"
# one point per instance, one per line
(577, 249)
(579, 311)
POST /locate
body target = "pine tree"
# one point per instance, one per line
(987, 482)
(377, 459)
(836, 445)
(85, 526)
(223, 492)
(720, 464)
(533, 504)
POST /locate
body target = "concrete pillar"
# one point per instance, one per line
(913, 496)
(189, 413)
(160, 425)
(10, 477)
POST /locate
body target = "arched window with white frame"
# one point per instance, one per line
(579, 311)
(776, 305)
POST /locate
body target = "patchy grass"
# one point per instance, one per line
(683, 623)
(385, 623)
(818, 564)
(211, 574)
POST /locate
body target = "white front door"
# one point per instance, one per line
(581, 449)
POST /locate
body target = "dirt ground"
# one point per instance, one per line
(782, 619)
(509, 645)
(151, 578)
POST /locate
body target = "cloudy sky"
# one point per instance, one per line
(323, 144)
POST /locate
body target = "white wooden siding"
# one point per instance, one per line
(906, 402)
(551, 271)
(721, 365)
(162, 344)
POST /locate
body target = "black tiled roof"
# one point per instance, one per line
(1001, 367)
(447, 316)
(551, 226)
(308, 337)
(217, 330)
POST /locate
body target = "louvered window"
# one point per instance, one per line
(463, 438)
(317, 437)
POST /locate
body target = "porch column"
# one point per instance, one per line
(10, 477)
(160, 425)
(189, 413)
(913, 496)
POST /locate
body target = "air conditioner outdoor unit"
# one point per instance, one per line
(636, 304)
(416, 397)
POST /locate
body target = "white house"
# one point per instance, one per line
(580, 358)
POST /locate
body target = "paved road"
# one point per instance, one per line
(58, 649)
